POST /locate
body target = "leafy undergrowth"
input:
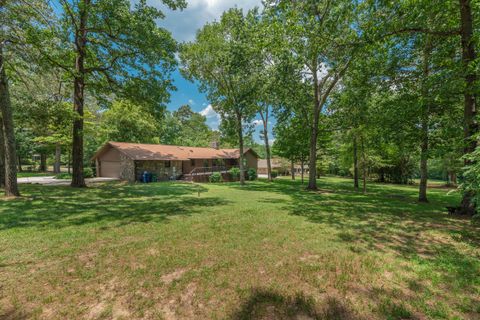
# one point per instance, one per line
(216, 251)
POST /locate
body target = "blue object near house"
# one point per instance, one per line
(146, 177)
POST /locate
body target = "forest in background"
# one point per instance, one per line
(376, 90)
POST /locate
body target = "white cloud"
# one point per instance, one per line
(208, 112)
(257, 123)
(184, 24)
(213, 118)
(191, 102)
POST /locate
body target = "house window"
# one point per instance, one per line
(168, 164)
(192, 162)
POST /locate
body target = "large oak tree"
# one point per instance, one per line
(112, 47)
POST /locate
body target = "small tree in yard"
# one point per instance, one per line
(224, 61)
(291, 141)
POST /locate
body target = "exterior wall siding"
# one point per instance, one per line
(252, 161)
(111, 155)
(127, 166)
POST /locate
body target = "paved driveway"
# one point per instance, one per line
(51, 181)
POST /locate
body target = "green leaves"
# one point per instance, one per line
(224, 62)
(127, 53)
(127, 122)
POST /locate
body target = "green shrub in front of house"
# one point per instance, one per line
(252, 174)
(274, 174)
(235, 173)
(215, 177)
(88, 172)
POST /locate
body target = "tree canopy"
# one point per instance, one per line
(376, 90)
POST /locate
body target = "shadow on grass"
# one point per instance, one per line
(266, 304)
(389, 219)
(57, 207)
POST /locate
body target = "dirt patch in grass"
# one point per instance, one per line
(175, 275)
(96, 310)
(111, 301)
(88, 259)
(182, 306)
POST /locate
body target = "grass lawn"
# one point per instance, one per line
(220, 251)
(26, 174)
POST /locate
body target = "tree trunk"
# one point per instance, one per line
(302, 164)
(382, 175)
(422, 196)
(364, 180)
(453, 178)
(364, 166)
(19, 163)
(292, 169)
(240, 144)
(78, 179)
(69, 163)
(267, 146)
(355, 164)
(312, 176)
(58, 154)
(11, 187)
(470, 125)
(424, 125)
(2, 156)
(43, 162)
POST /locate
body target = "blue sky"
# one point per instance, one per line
(183, 25)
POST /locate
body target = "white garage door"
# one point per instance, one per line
(110, 169)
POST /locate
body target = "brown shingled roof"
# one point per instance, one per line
(138, 151)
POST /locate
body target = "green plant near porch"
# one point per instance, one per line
(215, 177)
(235, 173)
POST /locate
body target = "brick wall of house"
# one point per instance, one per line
(127, 168)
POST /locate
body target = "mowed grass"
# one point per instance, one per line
(221, 251)
(27, 174)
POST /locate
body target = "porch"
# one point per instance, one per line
(166, 170)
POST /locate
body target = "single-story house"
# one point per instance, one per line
(128, 161)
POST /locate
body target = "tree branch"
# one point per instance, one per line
(70, 14)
